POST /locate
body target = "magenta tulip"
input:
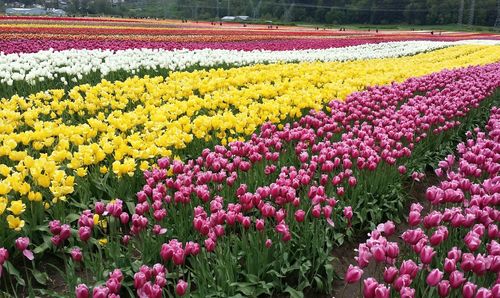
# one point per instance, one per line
(82, 291)
(434, 277)
(181, 287)
(353, 274)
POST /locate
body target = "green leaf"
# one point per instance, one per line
(294, 293)
(319, 282)
(246, 288)
(72, 217)
(41, 248)
(41, 277)
(13, 271)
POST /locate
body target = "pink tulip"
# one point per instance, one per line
(402, 281)
(392, 250)
(300, 215)
(139, 280)
(409, 267)
(402, 169)
(390, 274)
(382, 291)
(468, 290)
(55, 227)
(84, 233)
(4, 256)
(426, 254)
(348, 213)
(82, 291)
(22, 244)
(495, 290)
(269, 243)
(389, 228)
(259, 224)
(181, 287)
(443, 288)
(76, 254)
(116, 274)
(113, 285)
(434, 277)
(210, 245)
(483, 293)
(407, 292)
(456, 279)
(353, 274)
(467, 263)
(124, 218)
(99, 208)
(369, 286)
(378, 253)
(100, 292)
(455, 254)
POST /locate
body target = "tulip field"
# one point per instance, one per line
(160, 158)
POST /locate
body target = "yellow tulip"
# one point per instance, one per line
(3, 204)
(15, 223)
(17, 207)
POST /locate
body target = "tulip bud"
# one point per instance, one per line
(82, 291)
(390, 274)
(84, 233)
(99, 208)
(76, 254)
(369, 286)
(407, 292)
(456, 279)
(124, 218)
(210, 245)
(426, 254)
(382, 291)
(300, 215)
(468, 290)
(113, 285)
(100, 292)
(443, 288)
(181, 287)
(483, 293)
(353, 274)
(259, 224)
(434, 277)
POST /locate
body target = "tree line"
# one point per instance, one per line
(375, 12)
(417, 12)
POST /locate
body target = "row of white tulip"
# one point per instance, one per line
(74, 64)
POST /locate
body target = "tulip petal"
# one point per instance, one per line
(28, 254)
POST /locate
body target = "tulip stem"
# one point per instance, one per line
(343, 291)
(30, 289)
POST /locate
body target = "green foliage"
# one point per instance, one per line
(377, 12)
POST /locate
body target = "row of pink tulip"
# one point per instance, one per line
(35, 45)
(453, 248)
(274, 190)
